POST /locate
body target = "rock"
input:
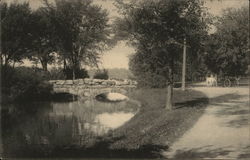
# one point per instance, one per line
(52, 81)
(118, 83)
(68, 82)
(80, 81)
(60, 82)
(104, 83)
(87, 80)
(97, 81)
(86, 94)
(76, 81)
(110, 82)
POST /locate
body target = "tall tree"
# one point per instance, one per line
(44, 38)
(227, 49)
(83, 31)
(15, 31)
(157, 30)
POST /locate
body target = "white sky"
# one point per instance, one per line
(118, 56)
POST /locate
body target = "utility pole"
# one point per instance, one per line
(184, 65)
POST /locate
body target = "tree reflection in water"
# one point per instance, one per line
(37, 129)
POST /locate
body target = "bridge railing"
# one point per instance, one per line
(91, 82)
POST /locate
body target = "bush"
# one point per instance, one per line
(57, 73)
(79, 73)
(23, 83)
(151, 80)
(101, 74)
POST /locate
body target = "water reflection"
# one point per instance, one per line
(38, 128)
(113, 120)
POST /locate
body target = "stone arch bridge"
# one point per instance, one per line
(89, 88)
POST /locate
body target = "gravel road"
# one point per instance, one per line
(222, 132)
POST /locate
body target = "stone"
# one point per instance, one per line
(118, 83)
(60, 82)
(52, 81)
(97, 81)
(68, 82)
(110, 82)
(87, 81)
(80, 81)
(105, 83)
(86, 94)
(76, 81)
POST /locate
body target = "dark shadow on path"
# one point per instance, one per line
(202, 152)
(237, 110)
(246, 153)
(236, 114)
(198, 102)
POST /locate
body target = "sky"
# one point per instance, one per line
(117, 57)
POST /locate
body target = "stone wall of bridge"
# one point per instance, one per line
(89, 88)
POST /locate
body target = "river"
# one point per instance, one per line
(40, 128)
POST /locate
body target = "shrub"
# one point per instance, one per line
(151, 80)
(23, 83)
(101, 74)
(57, 73)
(79, 73)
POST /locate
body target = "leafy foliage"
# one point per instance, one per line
(101, 74)
(157, 29)
(82, 29)
(57, 73)
(79, 73)
(22, 83)
(44, 38)
(15, 31)
(227, 48)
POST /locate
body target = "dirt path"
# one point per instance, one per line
(222, 132)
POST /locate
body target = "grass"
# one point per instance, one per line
(154, 125)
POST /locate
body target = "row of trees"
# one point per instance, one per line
(75, 31)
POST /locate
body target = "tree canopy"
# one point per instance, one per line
(157, 30)
(78, 31)
(15, 31)
(83, 31)
(44, 38)
(227, 49)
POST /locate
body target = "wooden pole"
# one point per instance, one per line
(184, 66)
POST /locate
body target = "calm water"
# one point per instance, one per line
(40, 128)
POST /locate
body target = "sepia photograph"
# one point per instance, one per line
(124, 79)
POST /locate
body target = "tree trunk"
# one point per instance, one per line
(44, 64)
(6, 60)
(73, 74)
(64, 64)
(169, 98)
(1, 59)
(13, 65)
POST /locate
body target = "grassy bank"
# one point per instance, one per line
(154, 125)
